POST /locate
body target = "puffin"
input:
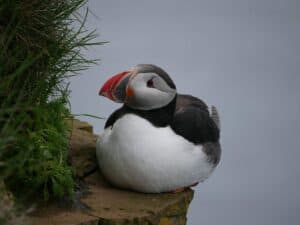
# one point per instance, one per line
(158, 140)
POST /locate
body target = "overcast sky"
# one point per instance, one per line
(242, 56)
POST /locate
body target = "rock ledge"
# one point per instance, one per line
(104, 204)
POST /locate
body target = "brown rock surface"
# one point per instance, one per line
(105, 204)
(82, 155)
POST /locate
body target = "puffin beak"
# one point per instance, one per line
(115, 87)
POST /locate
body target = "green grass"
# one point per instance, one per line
(41, 44)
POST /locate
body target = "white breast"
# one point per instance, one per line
(136, 155)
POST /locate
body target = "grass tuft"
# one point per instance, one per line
(40, 46)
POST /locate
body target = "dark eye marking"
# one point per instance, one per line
(150, 83)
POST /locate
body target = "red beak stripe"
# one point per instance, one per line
(110, 84)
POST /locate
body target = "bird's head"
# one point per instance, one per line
(144, 87)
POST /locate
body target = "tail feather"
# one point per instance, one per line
(215, 116)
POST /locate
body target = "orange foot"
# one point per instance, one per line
(183, 188)
(178, 190)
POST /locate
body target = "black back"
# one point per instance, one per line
(192, 121)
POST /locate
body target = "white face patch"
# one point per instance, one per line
(150, 92)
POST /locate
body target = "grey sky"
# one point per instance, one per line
(242, 56)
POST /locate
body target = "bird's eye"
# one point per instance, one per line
(150, 83)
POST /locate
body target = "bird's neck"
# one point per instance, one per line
(160, 117)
